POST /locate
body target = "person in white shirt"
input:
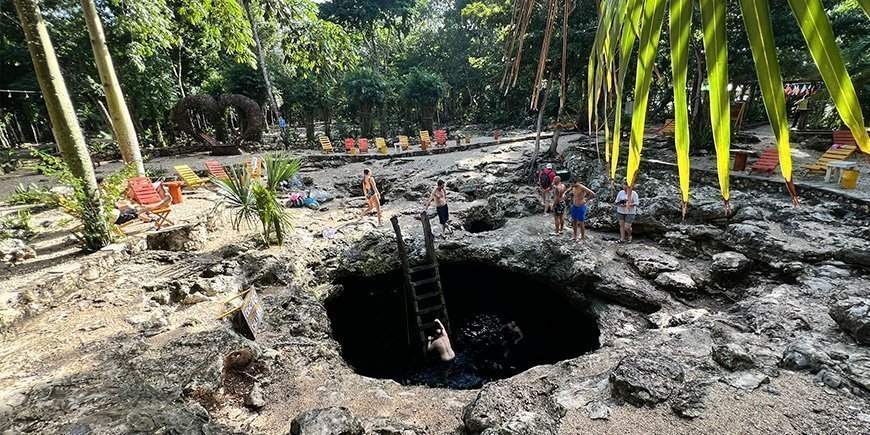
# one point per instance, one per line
(626, 211)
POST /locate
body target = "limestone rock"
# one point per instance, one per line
(255, 397)
(524, 423)
(385, 426)
(598, 410)
(326, 421)
(804, 355)
(746, 380)
(650, 261)
(729, 264)
(523, 406)
(853, 316)
(189, 237)
(691, 400)
(733, 356)
(646, 378)
(677, 281)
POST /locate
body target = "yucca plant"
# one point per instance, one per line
(280, 167)
(621, 20)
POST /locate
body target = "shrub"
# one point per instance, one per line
(32, 195)
(16, 226)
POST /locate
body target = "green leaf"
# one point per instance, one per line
(632, 19)
(756, 16)
(650, 31)
(716, 55)
(681, 29)
(817, 31)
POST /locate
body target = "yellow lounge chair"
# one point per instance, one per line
(425, 140)
(403, 142)
(836, 153)
(381, 144)
(190, 178)
(326, 144)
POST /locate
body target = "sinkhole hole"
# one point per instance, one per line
(500, 324)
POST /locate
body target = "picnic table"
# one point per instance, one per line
(838, 167)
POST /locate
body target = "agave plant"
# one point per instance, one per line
(623, 22)
(280, 167)
(252, 202)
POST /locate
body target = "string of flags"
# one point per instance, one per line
(800, 89)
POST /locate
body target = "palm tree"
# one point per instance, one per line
(122, 124)
(65, 125)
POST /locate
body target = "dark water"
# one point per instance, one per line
(369, 321)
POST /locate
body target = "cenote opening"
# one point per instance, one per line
(379, 340)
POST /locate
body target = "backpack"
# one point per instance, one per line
(544, 179)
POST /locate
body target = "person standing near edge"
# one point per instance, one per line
(626, 211)
(373, 196)
(545, 180)
(439, 197)
(581, 194)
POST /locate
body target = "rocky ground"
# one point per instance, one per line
(754, 322)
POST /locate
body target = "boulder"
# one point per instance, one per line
(677, 281)
(853, 316)
(646, 378)
(691, 400)
(733, 356)
(650, 261)
(804, 355)
(326, 421)
(729, 264)
(188, 237)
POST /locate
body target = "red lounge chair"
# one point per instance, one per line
(145, 194)
(843, 137)
(767, 163)
(363, 145)
(349, 145)
(441, 138)
(216, 170)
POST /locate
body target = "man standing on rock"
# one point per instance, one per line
(626, 211)
(559, 205)
(545, 180)
(373, 196)
(578, 208)
(439, 197)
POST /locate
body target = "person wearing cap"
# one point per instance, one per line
(545, 180)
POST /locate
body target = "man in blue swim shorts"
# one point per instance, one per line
(578, 208)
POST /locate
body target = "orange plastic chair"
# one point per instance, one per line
(363, 145)
(145, 194)
(216, 170)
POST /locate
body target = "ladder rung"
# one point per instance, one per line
(428, 295)
(430, 309)
(424, 281)
(421, 268)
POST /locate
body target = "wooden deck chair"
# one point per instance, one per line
(381, 144)
(363, 145)
(441, 138)
(136, 180)
(403, 142)
(350, 145)
(767, 163)
(216, 170)
(147, 195)
(837, 153)
(326, 144)
(843, 137)
(425, 140)
(251, 170)
(190, 178)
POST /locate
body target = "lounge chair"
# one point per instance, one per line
(843, 137)
(381, 145)
(403, 143)
(350, 145)
(363, 145)
(190, 178)
(837, 153)
(145, 194)
(425, 140)
(216, 170)
(767, 163)
(326, 144)
(441, 138)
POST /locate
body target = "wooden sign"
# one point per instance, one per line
(250, 314)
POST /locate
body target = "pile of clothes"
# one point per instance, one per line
(299, 197)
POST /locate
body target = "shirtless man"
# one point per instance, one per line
(559, 204)
(441, 343)
(127, 211)
(439, 197)
(373, 196)
(578, 208)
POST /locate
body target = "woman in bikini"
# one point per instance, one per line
(373, 196)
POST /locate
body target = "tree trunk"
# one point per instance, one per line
(122, 124)
(540, 125)
(261, 60)
(327, 122)
(65, 125)
(427, 113)
(309, 126)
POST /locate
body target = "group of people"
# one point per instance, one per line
(554, 195)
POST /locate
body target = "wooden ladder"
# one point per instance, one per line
(423, 283)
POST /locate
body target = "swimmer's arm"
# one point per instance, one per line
(520, 332)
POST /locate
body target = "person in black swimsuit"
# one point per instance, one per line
(373, 196)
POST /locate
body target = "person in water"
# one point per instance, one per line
(440, 343)
(373, 196)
